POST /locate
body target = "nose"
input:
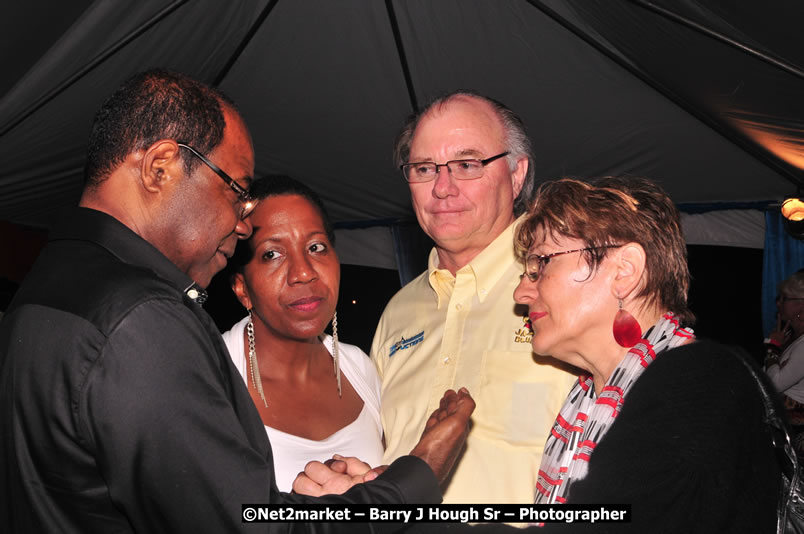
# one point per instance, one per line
(444, 184)
(525, 292)
(243, 228)
(300, 269)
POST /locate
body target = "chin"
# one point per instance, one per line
(203, 274)
(542, 347)
(203, 280)
(539, 349)
(309, 331)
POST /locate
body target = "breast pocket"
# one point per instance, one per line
(518, 398)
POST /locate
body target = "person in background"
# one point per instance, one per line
(784, 362)
(316, 396)
(467, 161)
(120, 408)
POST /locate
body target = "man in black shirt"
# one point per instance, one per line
(121, 410)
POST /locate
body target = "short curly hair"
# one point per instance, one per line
(149, 106)
(611, 211)
(274, 186)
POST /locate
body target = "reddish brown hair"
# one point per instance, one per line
(613, 211)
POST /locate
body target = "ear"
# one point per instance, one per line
(518, 176)
(629, 264)
(240, 290)
(161, 165)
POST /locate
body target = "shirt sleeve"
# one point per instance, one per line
(376, 346)
(790, 369)
(169, 442)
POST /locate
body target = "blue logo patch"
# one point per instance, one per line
(403, 343)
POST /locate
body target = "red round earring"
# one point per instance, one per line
(626, 329)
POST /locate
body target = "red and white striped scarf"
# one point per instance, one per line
(585, 418)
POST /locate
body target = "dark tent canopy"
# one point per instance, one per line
(704, 96)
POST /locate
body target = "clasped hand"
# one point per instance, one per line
(440, 445)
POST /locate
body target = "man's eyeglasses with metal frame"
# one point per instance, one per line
(460, 169)
(536, 262)
(247, 202)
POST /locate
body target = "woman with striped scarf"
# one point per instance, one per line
(658, 420)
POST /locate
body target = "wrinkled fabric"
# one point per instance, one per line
(121, 409)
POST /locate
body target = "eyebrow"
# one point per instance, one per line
(469, 152)
(541, 253)
(274, 239)
(466, 153)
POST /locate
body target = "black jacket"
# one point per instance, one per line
(690, 452)
(121, 409)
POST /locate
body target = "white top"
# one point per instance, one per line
(361, 438)
(788, 376)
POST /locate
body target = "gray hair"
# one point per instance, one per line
(792, 286)
(516, 141)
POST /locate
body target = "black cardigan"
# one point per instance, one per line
(689, 452)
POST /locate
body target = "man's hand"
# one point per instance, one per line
(334, 476)
(445, 432)
(441, 442)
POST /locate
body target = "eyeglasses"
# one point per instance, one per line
(246, 201)
(460, 169)
(535, 262)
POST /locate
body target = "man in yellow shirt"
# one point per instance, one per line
(467, 161)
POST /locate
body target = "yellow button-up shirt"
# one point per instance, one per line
(443, 332)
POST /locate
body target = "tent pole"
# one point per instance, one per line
(100, 58)
(787, 173)
(400, 49)
(245, 42)
(767, 58)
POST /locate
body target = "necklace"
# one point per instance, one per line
(254, 366)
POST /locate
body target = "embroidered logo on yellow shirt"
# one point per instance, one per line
(524, 334)
(403, 343)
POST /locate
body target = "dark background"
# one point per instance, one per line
(363, 295)
(725, 296)
(725, 293)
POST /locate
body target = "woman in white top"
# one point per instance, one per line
(316, 397)
(784, 363)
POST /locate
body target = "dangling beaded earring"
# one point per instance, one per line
(335, 360)
(626, 329)
(253, 366)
